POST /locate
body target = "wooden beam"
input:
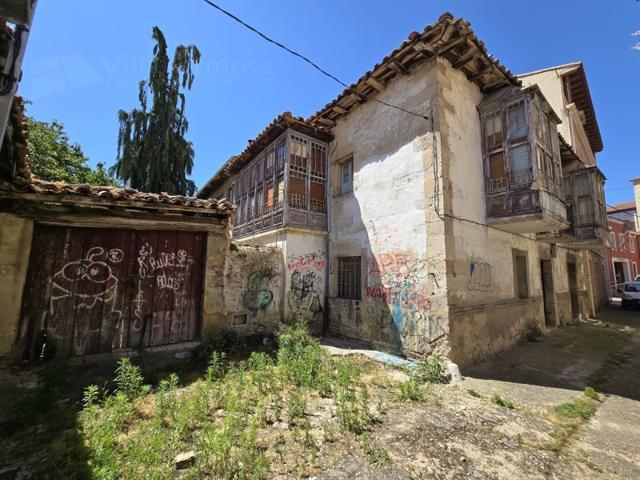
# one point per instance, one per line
(396, 67)
(374, 83)
(453, 44)
(339, 109)
(424, 48)
(466, 57)
(482, 71)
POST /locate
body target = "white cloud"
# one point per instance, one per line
(636, 33)
(636, 46)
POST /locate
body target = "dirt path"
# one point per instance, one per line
(466, 436)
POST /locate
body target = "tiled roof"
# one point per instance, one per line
(271, 132)
(447, 38)
(622, 206)
(120, 195)
(18, 178)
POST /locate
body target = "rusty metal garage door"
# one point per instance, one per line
(97, 290)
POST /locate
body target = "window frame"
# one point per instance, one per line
(346, 162)
(349, 288)
(519, 292)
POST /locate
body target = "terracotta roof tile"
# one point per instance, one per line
(43, 188)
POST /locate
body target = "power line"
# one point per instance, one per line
(306, 59)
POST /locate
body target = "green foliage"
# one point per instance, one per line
(378, 456)
(411, 391)
(300, 356)
(153, 154)
(353, 410)
(474, 393)
(53, 157)
(502, 401)
(432, 371)
(215, 369)
(591, 393)
(296, 406)
(129, 380)
(583, 408)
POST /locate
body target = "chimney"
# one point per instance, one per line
(636, 195)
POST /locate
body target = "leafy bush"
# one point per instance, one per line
(215, 369)
(300, 356)
(296, 406)
(411, 391)
(129, 380)
(353, 410)
(432, 371)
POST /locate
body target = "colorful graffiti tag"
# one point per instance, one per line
(259, 295)
(305, 296)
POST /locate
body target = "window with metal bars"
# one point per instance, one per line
(349, 278)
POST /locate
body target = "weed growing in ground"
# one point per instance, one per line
(353, 410)
(377, 455)
(411, 391)
(433, 370)
(567, 419)
(129, 380)
(300, 356)
(296, 406)
(474, 393)
(502, 401)
(591, 393)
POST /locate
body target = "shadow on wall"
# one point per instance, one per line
(399, 303)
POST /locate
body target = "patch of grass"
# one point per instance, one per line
(567, 419)
(591, 393)
(583, 408)
(474, 393)
(377, 455)
(411, 391)
(353, 410)
(501, 401)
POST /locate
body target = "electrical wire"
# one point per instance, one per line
(307, 60)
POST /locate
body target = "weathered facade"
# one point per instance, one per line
(92, 269)
(447, 222)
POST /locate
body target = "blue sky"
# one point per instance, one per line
(85, 59)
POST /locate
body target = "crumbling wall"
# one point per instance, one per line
(15, 247)
(253, 282)
(387, 221)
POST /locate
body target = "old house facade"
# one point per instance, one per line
(426, 207)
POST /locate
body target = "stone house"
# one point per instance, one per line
(426, 208)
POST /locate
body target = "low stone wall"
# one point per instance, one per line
(253, 283)
(477, 332)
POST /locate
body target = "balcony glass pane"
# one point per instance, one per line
(517, 122)
(520, 158)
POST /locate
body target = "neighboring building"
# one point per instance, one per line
(455, 228)
(624, 240)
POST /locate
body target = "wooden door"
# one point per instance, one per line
(98, 290)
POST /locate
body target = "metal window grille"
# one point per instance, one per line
(349, 278)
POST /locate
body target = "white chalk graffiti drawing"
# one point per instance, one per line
(155, 267)
(89, 279)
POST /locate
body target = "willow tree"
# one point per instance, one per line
(153, 155)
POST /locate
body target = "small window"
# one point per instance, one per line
(349, 278)
(518, 128)
(632, 244)
(238, 319)
(493, 131)
(612, 240)
(521, 275)
(346, 175)
(621, 245)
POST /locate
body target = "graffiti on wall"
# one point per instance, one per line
(306, 284)
(482, 276)
(168, 271)
(258, 295)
